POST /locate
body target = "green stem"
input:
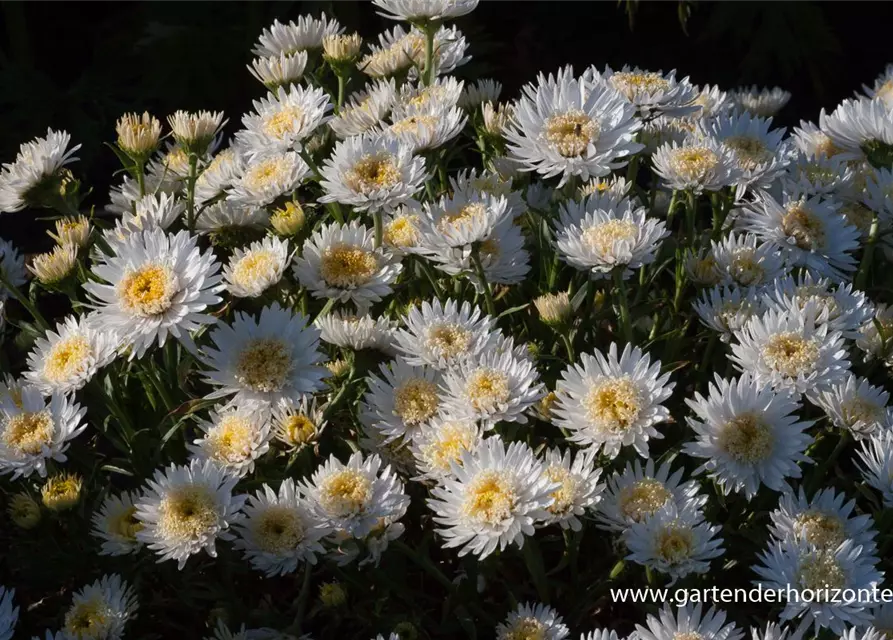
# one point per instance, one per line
(23, 300)
(568, 345)
(190, 192)
(708, 354)
(303, 596)
(342, 83)
(428, 73)
(140, 179)
(620, 295)
(868, 255)
(379, 227)
(632, 171)
(691, 216)
(482, 276)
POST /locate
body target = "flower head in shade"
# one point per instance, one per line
(101, 610)
(862, 129)
(424, 10)
(226, 215)
(727, 309)
(9, 614)
(252, 271)
(837, 305)
(279, 70)
(760, 102)
(812, 142)
(578, 490)
(62, 492)
(614, 400)
(689, 622)
(477, 93)
(234, 437)
(67, 358)
(74, 230)
(196, 131)
(370, 173)
(24, 511)
(354, 496)
(403, 401)
(697, 164)
(565, 126)
(819, 175)
(36, 429)
(876, 455)
(532, 621)
(652, 93)
(283, 120)
(12, 267)
(748, 435)
(858, 406)
(280, 530)
(53, 267)
(265, 358)
(116, 525)
(298, 424)
(493, 499)
(350, 331)
(339, 262)
(441, 443)
(268, 177)
(761, 153)
(742, 259)
(31, 180)
(307, 33)
(155, 285)
(218, 175)
(365, 109)
(186, 509)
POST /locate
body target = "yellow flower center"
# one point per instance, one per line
(824, 147)
(604, 236)
(346, 266)
(124, 525)
(27, 433)
(255, 267)
(823, 300)
(791, 354)
(88, 619)
(571, 133)
(463, 216)
(345, 492)
(633, 85)
(448, 340)
(613, 404)
(704, 269)
(690, 635)
(415, 124)
(267, 173)
(452, 439)
(373, 172)
(298, 429)
(67, 358)
(641, 499)
(278, 530)
(416, 400)
(675, 544)
(61, 492)
(283, 122)
(545, 405)
(825, 531)
(821, 571)
(745, 269)
(693, 164)
(402, 231)
(264, 365)
(527, 629)
(861, 410)
(177, 161)
(231, 439)
(563, 496)
(858, 215)
(148, 291)
(751, 151)
(187, 513)
(747, 438)
(487, 389)
(490, 499)
(803, 227)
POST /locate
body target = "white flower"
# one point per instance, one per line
(697, 164)
(282, 120)
(184, 510)
(471, 182)
(495, 386)
(267, 358)
(36, 168)
(818, 175)
(801, 566)
(839, 306)
(748, 435)
(713, 102)
(12, 267)
(599, 234)
(234, 437)
(460, 220)
(790, 350)
(403, 402)
(760, 102)
(812, 142)
(652, 93)
(364, 110)
(195, 132)
(343, 329)
(441, 443)
(862, 129)
(34, 429)
(423, 130)
(563, 125)
(339, 262)
(55, 266)
(227, 214)
(9, 615)
(600, 634)
(876, 454)
(277, 70)
(530, 620)
(607, 402)
(218, 175)
(268, 177)
(761, 152)
(115, 523)
(157, 285)
(424, 10)
(578, 490)
(252, 271)
(876, 333)
(297, 424)
(493, 499)
(673, 541)
(742, 259)
(354, 497)
(67, 358)
(291, 38)
(279, 530)
(477, 93)
(727, 309)
(687, 622)
(101, 610)
(810, 233)
(370, 173)
(399, 50)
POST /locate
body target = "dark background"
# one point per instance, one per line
(79, 66)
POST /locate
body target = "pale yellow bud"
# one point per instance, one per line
(138, 136)
(61, 492)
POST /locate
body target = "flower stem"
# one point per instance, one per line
(140, 179)
(30, 307)
(868, 255)
(342, 83)
(379, 227)
(482, 276)
(620, 295)
(428, 72)
(568, 346)
(190, 192)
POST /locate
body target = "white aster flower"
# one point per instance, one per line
(812, 142)
(277, 70)
(218, 175)
(697, 164)
(297, 424)
(226, 214)
(601, 634)
(460, 220)
(123, 197)
(748, 435)
(862, 129)
(12, 267)
(760, 102)
(422, 130)
(55, 266)
(401, 231)
(742, 259)
(280, 530)
(268, 177)
(401, 403)
(493, 499)
(399, 50)
(876, 454)
(818, 175)
(687, 623)
(578, 491)
(713, 102)
(364, 110)
(530, 620)
(441, 443)
(157, 285)
(424, 10)
(116, 525)
(265, 359)
(283, 120)
(875, 335)
(34, 429)
(727, 309)
(839, 306)
(101, 610)
(234, 437)
(608, 402)
(471, 182)
(195, 132)
(291, 38)
(349, 331)
(477, 93)
(35, 172)
(857, 406)
(761, 152)
(652, 93)
(9, 615)
(252, 271)
(185, 509)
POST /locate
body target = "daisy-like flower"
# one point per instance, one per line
(494, 498)
(343, 329)
(748, 435)
(477, 93)
(809, 232)
(234, 437)
(268, 177)
(698, 164)
(341, 49)
(218, 175)
(307, 33)
(713, 102)
(339, 262)
(423, 129)
(74, 230)
(857, 406)
(298, 424)
(36, 172)
(652, 93)
(460, 220)
(760, 102)
(610, 401)
(401, 232)
(441, 443)
(839, 306)
(353, 497)
(530, 620)
(116, 525)
(186, 509)
(264, 359)
(279, 70)
(364, 110)
(496, 386)
(875, 335)
(280, 530)
(600, 634)
(862, 129)
(578, 490)
(761, 151)
(790, 350)
(424, 10)
(34, 429)
(688, 622)
(67, 358)
(399, 51)
(101, 610)
(138, 135)
(599, 234)
(741, 259)
(673, 541)
(282, 120)
(12, 267)
(403, 401)
(55, 266)
(818, 175)
(156, 285)
(196, 131)
(876, 454)
(252, 271)
(802, 566)
(62, 492)
(812, 142)
(228, 215)
(727, 309)
(9, 615)
(562, 125)
(371, 173)
(152, 211)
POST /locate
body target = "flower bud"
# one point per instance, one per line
(61, 492)
(24, 511)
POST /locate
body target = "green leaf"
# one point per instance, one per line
(113, 469)
(512, 310)
(618, 569)
(533, 558)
